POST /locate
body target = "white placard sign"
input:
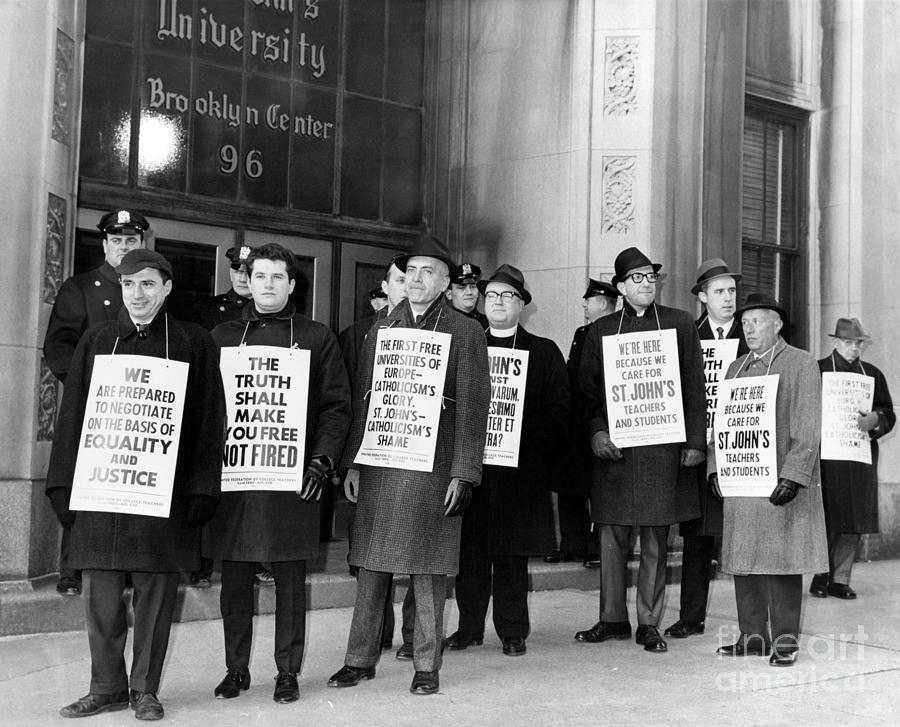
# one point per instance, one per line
(746, 451)
(405, 401)
(509, 369)
(266, 395)
(643, 388)
(129, 439)
(717, 356)
(844, 395)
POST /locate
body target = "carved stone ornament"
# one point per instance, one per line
(48, 394)
(53, 247)
(620, 97)
(62, 88)
(618, 194)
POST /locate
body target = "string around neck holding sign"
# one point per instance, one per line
(859, 360)
(622, 319)
(166, 323)
(292, 345)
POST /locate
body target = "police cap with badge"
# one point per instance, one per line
(237, 256)
(123, 222)
(599, 287)
(465, 274)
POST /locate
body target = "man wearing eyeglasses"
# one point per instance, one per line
(850, 489)
(638, 486)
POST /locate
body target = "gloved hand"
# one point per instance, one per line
(784, 492)
(602, 446)
(200, 510)
(317, 473)
(867, 421)
(351, 485)
(691, 457)
(713, 482)
(59, 501)
(459, 495)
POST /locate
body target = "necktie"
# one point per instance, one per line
(142, 330)
(721, 332)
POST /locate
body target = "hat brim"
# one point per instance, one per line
(863, 337)
(616, 279)
(698, 287)
(402, 261)
(520, 289)
(779, 310)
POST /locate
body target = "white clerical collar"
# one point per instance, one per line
(503, 332)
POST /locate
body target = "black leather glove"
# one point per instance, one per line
(200, 510)
(603, 447)
(459, 495)
(784, 492)
(317, 474)
(713, 482)
(59, 501)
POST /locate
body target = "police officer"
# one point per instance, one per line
(463, 291)
(83, 301)
(210, 312)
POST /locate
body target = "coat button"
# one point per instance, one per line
(97, 283)
(106, 302)
(222, 308)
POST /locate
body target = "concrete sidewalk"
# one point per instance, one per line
(848, 672)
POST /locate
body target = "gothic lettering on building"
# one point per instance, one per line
(620, 94)
(618, 215)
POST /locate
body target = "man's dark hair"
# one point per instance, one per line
(274, 251)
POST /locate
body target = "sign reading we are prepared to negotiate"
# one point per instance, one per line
(129, 439)
(509, 369)
(643, 388)
(405, 403)
(844, 396)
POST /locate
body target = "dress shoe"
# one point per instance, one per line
(841, 590)
(783, 658)
(264, 577)
(235, 682)
(745, 646)
(819, 585)
(683, 629)
(457, 641)
(561, 556)
(286, 688)
(592, 560)
(146, 706)
(424, 682)
(91, 704)
(69, 587)
(603, 630)
(350, 676)
(514, 646)
(200, 580)
(648, 637)
(405, 652)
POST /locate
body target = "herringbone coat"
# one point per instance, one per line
(400, 525)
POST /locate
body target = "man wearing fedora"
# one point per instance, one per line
(716, 288)
(769, 542)
(638, 486)
(572, 479)
(511, 515)
(850, 489)
(408, 521)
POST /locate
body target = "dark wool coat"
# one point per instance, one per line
(850, 489)
(762, 538)
(572, 470)
(400, 525)
(710, 520)
(83, 301)
(521, 504)
(270, 526)
(644, 487)
(351, 340)
(218, 309)
(110, 541)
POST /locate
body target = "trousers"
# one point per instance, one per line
(615, 543)
(770, 603)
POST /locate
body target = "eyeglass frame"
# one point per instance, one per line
(504, 296)
(638, 278)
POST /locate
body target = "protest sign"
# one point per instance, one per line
(746, 447)
(643, 388)
(509, 369)
(843, 397)
(129, 439)
(266, 394)
(406, 397)
(717, 356)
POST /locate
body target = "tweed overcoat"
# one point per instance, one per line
(645, 486)
(850, 489)
(521, 505)
(571, 473)
(762, 538)
(111, 541)
(84, 300)
(269, 526)
(400, 525)
(710, 520)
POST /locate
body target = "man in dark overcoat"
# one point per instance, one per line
(850, 489)
(278, 527)
(408, 521)
(511, 514)
(768, 543)
(83, 301)
(716, 288)
(572, 478)
(109, 546)
(640, 486)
